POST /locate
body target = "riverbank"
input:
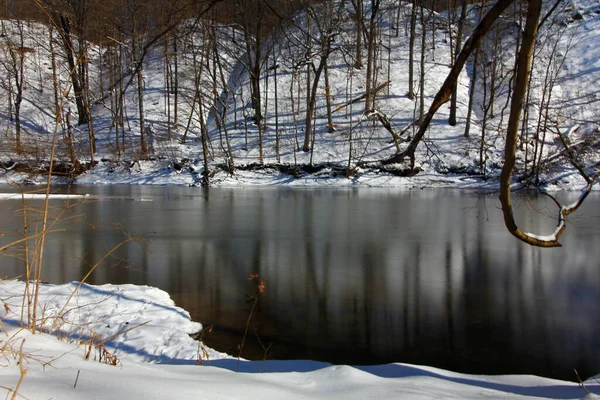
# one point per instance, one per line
(148, 339)
(186, 173)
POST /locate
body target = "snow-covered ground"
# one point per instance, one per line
(567, 45)
(33, 196)
(142, 349)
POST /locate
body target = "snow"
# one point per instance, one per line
(39, 196)
(157, 358)
(547, 238)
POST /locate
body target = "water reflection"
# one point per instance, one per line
(353, 276)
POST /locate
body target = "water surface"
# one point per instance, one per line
(364, 276)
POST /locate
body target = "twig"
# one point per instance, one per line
(581, 384)
(76, 379)
(22, 371)
(108, 339)
(246, 332)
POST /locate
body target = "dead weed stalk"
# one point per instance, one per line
(260, 288)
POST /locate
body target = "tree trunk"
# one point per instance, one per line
(510, 148)
(140, 93)
(422, 65)
(168, 77)
(411, 51)
(311, 104)
(70, 140)
(203, 132)
(369, 100)
(140, 87)
(175, 82)
(84, 72)
(472, 93)
(18, 96)
(309, 98)
(16, 69)
(330, 127)
(55, 85)
(359, 32)
(461, 24)
(276, 100)
(76, 79)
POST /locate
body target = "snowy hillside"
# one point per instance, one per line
(214, 93)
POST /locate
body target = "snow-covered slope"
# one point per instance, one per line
(566, 61)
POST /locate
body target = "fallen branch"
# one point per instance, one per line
(568, 149)
(361, 97)
(385, 121)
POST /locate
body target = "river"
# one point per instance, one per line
(354, 276)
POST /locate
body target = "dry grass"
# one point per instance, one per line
(11, 351)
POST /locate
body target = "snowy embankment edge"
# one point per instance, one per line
(157, 173)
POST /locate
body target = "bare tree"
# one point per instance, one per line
(521, 82)
(371, 60)
(199, 66)
(62, 14)
(411, 50)
(138, 20)
(327, 19)
(359, 22)
(14, 66)
(424, 22)
(459, 39)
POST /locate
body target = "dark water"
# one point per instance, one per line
(363, 276)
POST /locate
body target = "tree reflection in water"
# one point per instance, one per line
(362, 276)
